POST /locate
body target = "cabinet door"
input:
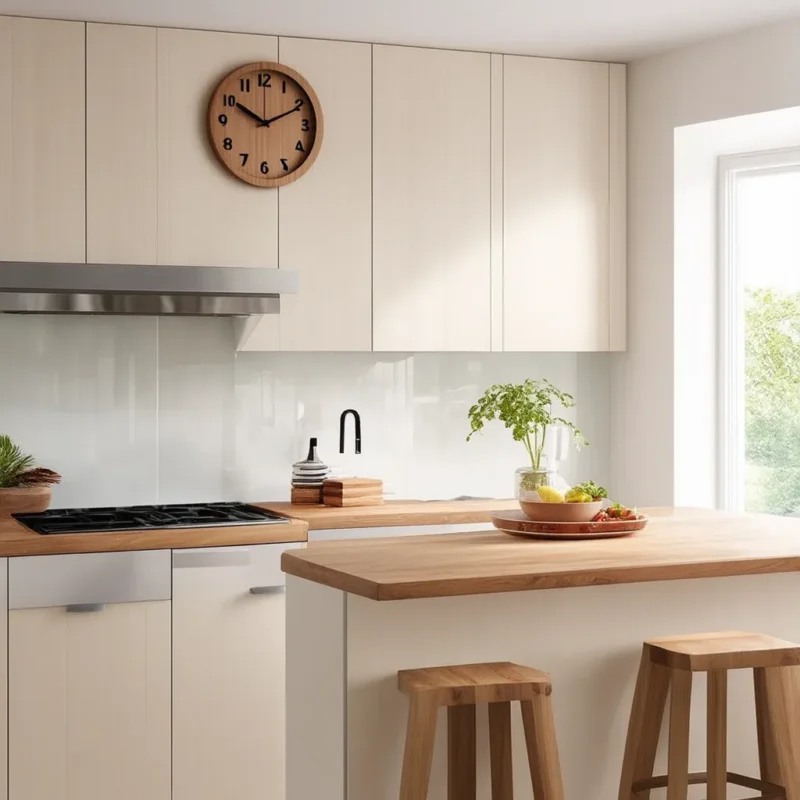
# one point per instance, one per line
(42, 140)
(89, 717)
(4, 677)
(326, 217)
(206, 216)
(228, 673)
(121, 115)
(556, 292)
(431, 200)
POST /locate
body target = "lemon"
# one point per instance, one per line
(550, 495)
(577, 495)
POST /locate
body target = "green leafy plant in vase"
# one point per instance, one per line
(527, 410)
(24, 487)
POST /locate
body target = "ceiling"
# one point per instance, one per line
(618, 30)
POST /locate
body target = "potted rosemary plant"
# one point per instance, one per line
(527, 410)
(24, 487)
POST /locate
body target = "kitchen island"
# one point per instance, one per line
(577, 609)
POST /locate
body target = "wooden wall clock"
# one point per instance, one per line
(265, 124)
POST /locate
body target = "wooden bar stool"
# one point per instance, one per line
(667, 666)
(461, 688)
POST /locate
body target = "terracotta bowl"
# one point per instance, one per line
(24, 501)
(560, 512)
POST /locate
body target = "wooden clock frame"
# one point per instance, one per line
(214, 106)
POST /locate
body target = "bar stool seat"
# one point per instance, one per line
(726, 650)
(460, 688)
(667, 667)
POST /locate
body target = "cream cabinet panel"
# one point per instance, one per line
(431, 200)
(206, 217)
(229, 673)
(121, 151)
(89, 717)
(326, 216)
(42, 140)
(556, 292)
(4, 677)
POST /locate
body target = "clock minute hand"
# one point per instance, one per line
(252, 114)
(285, 114)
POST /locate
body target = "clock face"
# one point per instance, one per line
(265, 124)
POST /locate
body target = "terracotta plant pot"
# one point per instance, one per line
(24, 501)
(560, 512)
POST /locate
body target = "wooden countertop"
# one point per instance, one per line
(394, 513)
(17, 540)
(677, 544)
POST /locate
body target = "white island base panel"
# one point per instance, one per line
(346, 718)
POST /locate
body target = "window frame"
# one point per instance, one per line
(730, 349)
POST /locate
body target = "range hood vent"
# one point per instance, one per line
(37, 288)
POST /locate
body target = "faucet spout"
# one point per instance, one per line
(342, 421)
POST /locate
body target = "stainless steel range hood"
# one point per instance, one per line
(37, 288)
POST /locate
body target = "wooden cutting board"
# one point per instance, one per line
(348, 502)
(306, 496)
(345, 485)
(366, 491)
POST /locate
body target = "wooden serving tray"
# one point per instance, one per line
(517, 524)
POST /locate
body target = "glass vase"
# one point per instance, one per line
(527, 481)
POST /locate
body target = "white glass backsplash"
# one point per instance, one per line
(144, 410)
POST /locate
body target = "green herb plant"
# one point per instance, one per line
(19, 470)
(526, 409)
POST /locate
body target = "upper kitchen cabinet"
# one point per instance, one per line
(42, 140)
(121, 150)
(431, 200)
(206, 217)
(563, 205)
(326, 216)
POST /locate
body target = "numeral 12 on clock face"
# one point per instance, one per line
(265, 124)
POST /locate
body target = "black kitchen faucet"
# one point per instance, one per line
(342, 421)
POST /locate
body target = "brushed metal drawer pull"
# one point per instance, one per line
(84, 608)
(267, 589)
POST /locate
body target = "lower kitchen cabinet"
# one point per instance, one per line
(3, 677)
(89, 677)
(228, 673)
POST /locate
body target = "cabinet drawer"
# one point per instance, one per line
(260, 564)
(88, 579)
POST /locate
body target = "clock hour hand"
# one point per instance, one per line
(252, 114)
(297, 106)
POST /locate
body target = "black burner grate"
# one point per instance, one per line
(142, 518)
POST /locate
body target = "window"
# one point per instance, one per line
(759, 434)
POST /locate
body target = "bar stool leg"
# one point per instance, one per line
(644, 728)
(500, 751)
(680, 706)
(540, 737)
(461, 746)
(420, 736)
(717, 743)
(767, 754)
(783, 700)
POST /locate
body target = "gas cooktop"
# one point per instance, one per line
(142, 518)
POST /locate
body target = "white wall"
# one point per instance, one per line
(751, 72)
(140, 410)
